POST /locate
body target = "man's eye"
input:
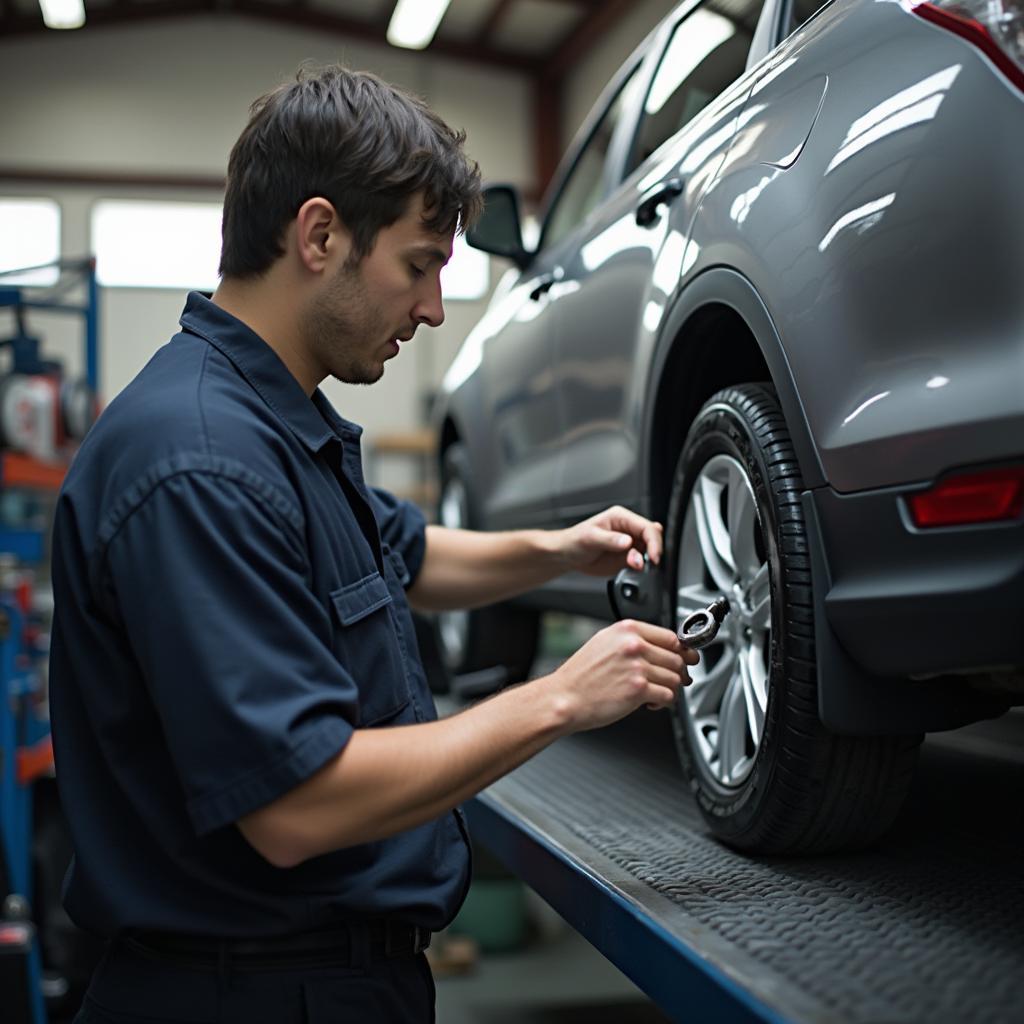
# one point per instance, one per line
(416, 271)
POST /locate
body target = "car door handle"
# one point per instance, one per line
(662, 194)
(543, 284)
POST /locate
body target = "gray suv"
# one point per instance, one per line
(778, 304)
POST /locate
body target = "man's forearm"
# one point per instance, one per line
(467, 569)
(386, 781)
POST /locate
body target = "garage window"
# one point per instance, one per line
(29, 237)
(467, 274)
(149, 244)
(144, 244)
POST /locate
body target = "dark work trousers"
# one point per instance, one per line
(129, 987)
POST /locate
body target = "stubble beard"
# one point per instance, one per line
(339, 327)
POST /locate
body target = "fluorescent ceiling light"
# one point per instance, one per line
(415, 21)
(63, 13)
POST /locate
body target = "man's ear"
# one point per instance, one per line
(320, 236)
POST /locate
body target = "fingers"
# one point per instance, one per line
(667, 677)
(640, 530)
(663, 657)
(672, 661)
(690, 656)
(657, 635)
(657, 698)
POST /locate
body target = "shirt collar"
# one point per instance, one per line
(314, 422)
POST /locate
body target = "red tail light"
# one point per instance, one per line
(996, 27)
(15, 934)
(987, 496)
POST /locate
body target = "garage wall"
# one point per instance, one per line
(170, 98)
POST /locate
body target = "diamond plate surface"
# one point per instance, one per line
(928, 927)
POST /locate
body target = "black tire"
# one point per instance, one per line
(498, 636)
(796, 788)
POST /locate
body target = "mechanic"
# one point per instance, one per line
(261, 800)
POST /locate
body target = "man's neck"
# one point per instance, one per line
(262, 306)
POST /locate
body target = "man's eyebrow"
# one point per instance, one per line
(433, 251)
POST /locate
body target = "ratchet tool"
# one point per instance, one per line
(636, 594)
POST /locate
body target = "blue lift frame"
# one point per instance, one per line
(670, 971)
(20, 728)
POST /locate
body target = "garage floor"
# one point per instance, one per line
(562, 979)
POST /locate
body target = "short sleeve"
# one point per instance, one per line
(403, 527)
(210, 581)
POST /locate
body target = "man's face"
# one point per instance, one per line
(364, 312)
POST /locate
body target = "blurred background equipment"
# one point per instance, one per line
(44, 414)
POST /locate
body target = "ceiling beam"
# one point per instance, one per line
(111, 179)
(376, 32)
(298, 13)
(492, 21)
(547, 99)
(582, 39)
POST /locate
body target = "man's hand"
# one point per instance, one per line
(619, 669)
(609, 541)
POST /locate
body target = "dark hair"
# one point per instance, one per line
(364, 145)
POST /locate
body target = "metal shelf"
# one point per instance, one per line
(928, 927)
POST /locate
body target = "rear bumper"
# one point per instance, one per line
(893, 602)
(904, 601)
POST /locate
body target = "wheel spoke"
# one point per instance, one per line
(732, 730)
(726, 703)
(742, 525)
(759, 599)
(709, 528)
(758, 669)
(751, 697)
(705, 694)
(693, 598)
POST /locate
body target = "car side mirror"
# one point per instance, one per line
(498, 230)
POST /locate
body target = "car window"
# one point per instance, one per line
(707, 52)
(802, 10)
(583, 188)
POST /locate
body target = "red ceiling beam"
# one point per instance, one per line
(297, 13)
(581, 40)
(547, 97)
(492, 21)
(375, 32)
(111, 179)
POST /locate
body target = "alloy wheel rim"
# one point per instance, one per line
(722, 553)
(453, 626)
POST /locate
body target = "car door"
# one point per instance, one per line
(625, 260)
(519, 335)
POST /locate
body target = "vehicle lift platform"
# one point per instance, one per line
(927, 927)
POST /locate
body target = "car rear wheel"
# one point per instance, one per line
(767, 776)
(499, 636)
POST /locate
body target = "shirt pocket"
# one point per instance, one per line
(398, 565)
(367, 646)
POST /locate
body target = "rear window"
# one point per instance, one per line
(803, 10)
(707, 52)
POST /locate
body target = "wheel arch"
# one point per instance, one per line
(719, 303)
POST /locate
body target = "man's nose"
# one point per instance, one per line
(430, 310)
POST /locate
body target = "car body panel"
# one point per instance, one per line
(853, 202)
(621, 276)
(901, 378)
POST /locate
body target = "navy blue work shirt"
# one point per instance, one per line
(229, 607)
